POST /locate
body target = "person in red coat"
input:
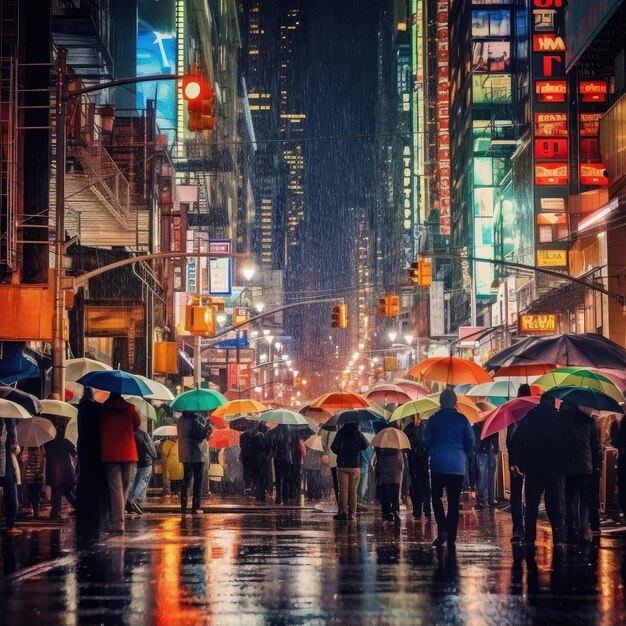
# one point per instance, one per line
(118, 422)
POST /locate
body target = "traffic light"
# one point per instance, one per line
(340, 316)
(200, 320)
(420, 273)
(200, 99)
(389, 305)
(414, 273)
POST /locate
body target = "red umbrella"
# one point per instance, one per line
(225, 438)
(413, 389)
(388, 394)
(510, 412)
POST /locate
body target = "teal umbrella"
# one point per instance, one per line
(585, 396)
(283, 416)
(198, 400)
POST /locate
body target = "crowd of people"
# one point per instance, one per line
(552, 453)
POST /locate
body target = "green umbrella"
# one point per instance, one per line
(283, 416)
(585, 396)
(579, 377)
(198, 400)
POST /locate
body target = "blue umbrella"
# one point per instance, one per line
(116, 381)
(370, 419)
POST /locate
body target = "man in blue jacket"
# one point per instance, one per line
(449, 439)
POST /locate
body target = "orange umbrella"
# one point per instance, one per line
(239, 407)
(340, 400)
(532, 369)
(225, 438)
(450, 370)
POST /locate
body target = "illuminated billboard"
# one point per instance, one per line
(491, 23)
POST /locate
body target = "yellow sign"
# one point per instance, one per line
(538, 324)
(114, 320)
(551, 258)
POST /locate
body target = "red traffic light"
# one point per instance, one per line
(195, 88)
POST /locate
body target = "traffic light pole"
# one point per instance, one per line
(542, 270)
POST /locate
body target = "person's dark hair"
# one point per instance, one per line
(447, 399)
(350, 427)
(547, 400)
(524, 390)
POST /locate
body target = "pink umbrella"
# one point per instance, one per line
(388, 394)
(413, 389)
(510, 412)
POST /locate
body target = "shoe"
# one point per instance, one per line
(441, 539)
(516, 538)
(478, 506)
(136, 508)
(340, 517)
(116, 532)
(128, 508)
(352, 518)
(361, 507)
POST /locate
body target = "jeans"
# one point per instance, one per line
(389, 499)
(363, 484)
(119, 479)
(142, 478)
(517, 509)
(348, 478)
(192, 471)
(419, 489)
(553, 488)
(453, 483)
(486, 479)
(56, 498)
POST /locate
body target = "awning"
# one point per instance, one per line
(597, 217)
(17, 363)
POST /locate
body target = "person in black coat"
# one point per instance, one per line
(618, 440)
(262, 463)
(279, 445)
(247, 460)
(541, 460)
(417, 457)
(580, 438)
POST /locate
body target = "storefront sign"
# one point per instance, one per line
(538, 324)
(551, 149)
(590, 124)
(552, 204)
(551, 90)
(551, 258)
(548, 43)
(551, 173)
(593, 174)
(593, 90)
(551, 125)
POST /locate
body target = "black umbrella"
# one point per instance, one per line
(586, 350)
(366, 417)
(26, 400)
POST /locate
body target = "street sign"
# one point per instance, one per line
(538, 324)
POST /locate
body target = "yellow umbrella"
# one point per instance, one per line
(425, 407)
(238, 407)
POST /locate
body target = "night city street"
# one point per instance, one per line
(300, 567)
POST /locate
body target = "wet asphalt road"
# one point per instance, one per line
(301, 567)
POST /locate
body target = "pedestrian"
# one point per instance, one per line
(449, 439)
(60, 468)
(233, 482)
(366, 465)
(33, 460)
(9, 449)
(118, 421)
(389, 470)
(419, 480)
(313, 465)
(486, 456)
(580, 439)
(146, 455)
(537, 445)
(594, 512)
(347, 445)
(618, 440)
(193, 452)
(516, 476)
(278, 442)
(262, 463)
(172, 467)
(294, 479)
(247, 461)
(92, 502)
(327, 437)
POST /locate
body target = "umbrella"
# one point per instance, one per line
(234, 422)
(425, 407)
(391, 438)
(528, 371)
(314, 443)
(164, 431)
(500, 388)
(359, 416)
(198, 400)
(450, 370)
(158, 391)
(584, 396)
(25, 400)
(485, 407)
(225, 438)
(71, 431)
(340, 400)
(319, 415)
(586, 350)
(510, 412)
(145, 409)
(115, 381)
(13, 410)
(414, 389)
(415, 407)
(34, 432)
(579, 377)
(56, 407)
(77, 368)
(388, 394)
(283, 416)
(239, 407)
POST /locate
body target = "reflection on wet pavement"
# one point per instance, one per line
(302, 568)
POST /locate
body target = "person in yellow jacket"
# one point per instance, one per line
(172, 467)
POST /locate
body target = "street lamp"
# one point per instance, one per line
(248, 272)
(259, 307)
(392, 334)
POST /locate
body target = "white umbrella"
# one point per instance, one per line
(144, 407)
(283, 416)
(499, 388)
(34, 432)
(158, 390)
(165, 431)
(12, 410)
(314, 443)
(57, 407)
(391, 438)
(71, 431)
(75, 368)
